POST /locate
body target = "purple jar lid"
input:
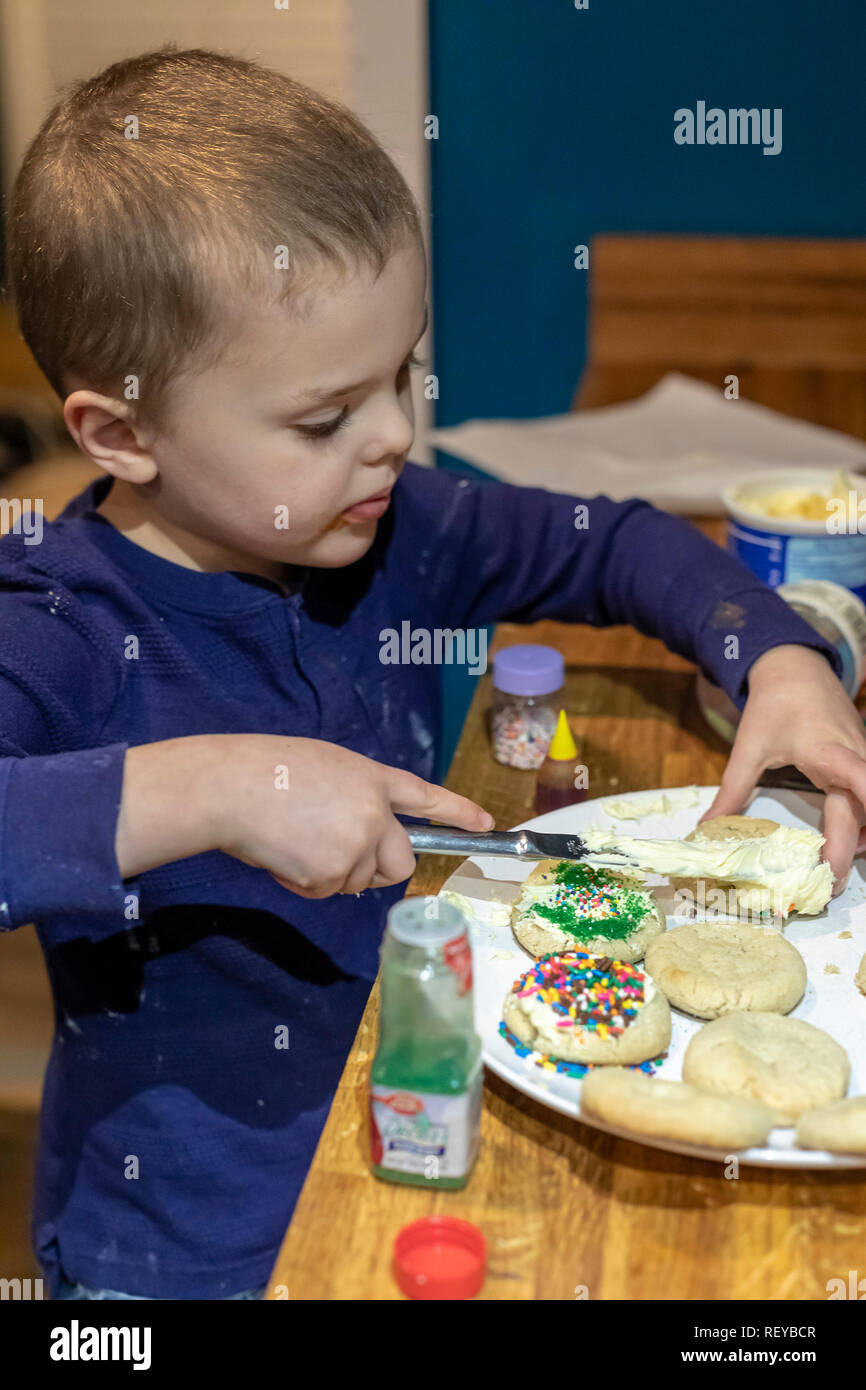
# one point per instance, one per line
(528, 670)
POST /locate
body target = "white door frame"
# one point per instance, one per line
(24, 69)
(389, 89)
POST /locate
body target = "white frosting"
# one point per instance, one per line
(808, 503)
(494, 914)
(665, 804)
(544, 1019)
(533, 919)
(544, 894)
(787, 863)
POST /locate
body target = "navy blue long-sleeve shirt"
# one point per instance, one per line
(176, 1127)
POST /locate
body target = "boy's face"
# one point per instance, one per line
(255, 459)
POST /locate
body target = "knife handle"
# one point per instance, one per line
(444, 839)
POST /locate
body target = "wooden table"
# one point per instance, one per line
(564, 1207)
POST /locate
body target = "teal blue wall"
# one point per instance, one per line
(557, 124)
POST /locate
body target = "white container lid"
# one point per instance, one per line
(425, 921)
(838, 605)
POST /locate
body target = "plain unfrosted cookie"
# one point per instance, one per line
(674, 1110)
(714, 968)
(840, 1127)
(715, 897)
(610, 914)
(860, 977)
(786, 1063)
(728, 827)
(584, 1008)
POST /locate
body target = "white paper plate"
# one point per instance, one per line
(832, 1001)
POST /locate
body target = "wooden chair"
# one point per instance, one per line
(786, 316)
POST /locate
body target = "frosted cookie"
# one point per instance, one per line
(584, 1008)
(711, 898)
(774, 874)
(860, 977)
(714, 968)
(840, 1127)
(568, 906)
(787, 1064)
(674, 1110)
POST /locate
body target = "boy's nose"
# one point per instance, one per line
(392, 441)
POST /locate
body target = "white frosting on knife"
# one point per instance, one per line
(787, 863)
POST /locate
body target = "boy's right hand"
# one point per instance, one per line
(332, 829)
(319, 818)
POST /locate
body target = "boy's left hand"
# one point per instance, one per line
(798, 712)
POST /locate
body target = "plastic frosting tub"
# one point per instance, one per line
(786, 548)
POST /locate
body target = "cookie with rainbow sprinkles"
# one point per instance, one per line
(569, 906)
(588, 1008)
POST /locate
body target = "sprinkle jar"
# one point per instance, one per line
(528, 685)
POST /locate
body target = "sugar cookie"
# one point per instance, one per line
(584, 1008)
(568, 906)
(786, 1063)
(840, 1127)
(714, 898)
(714, 968)
(673, 1110)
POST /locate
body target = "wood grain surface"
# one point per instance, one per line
(566, 1210)
(785, 315)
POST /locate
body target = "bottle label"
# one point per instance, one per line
(434, 1136)
(457, 954)
(783, 559)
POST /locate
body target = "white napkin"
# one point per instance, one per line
(677, 446)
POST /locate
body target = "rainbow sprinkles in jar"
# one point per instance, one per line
(528, 683)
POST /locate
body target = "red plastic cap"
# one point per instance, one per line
(440, 1257)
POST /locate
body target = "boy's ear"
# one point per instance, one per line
(102, 430)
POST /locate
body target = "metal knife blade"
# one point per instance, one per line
(516, 844)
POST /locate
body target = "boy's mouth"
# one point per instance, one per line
(370, 509)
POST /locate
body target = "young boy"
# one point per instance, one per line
(203, 758)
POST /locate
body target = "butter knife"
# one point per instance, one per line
(515, 844)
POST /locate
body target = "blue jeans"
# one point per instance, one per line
(70, 1290)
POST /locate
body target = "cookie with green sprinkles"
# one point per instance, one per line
(569, 906)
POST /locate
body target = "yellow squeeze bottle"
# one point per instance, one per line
(561, 779)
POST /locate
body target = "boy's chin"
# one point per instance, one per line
(341, 544)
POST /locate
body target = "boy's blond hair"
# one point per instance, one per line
(133, 257)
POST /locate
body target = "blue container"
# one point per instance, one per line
(785, 550)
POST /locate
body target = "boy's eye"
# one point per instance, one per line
(326, 428)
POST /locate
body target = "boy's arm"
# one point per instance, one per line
(76, 827)
(501, 553)
(57, 809)
(321, 819)
(497, 551)
(57, 817)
